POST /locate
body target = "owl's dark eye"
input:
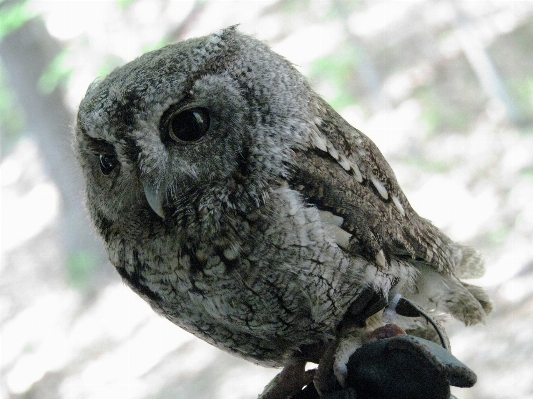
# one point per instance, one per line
(188, 125)
(108, 163)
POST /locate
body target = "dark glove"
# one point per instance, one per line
(401, 367)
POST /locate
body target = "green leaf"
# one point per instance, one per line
(80, 267)
(124, 4)
(13, 17)
(338, 71)
(12, 119)
(55, 74)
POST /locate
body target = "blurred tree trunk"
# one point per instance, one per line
(488, 76)
(25, 54)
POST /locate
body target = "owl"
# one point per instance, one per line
(238, 204)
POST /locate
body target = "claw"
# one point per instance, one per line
(288, 382)
(389, 314)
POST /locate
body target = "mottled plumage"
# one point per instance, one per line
(244, 209)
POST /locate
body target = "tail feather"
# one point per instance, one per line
(472, 264)
(481, 296)
(446, 293)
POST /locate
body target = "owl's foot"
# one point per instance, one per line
(404, 307)
(288, 382)
(332, 370)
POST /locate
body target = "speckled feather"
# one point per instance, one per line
(275, 221)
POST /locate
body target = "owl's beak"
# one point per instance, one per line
(155, 197)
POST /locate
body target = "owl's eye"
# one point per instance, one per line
(188, 125)
(108, 163)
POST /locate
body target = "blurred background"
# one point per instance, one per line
(444, 88)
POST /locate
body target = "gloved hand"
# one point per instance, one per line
(401, 367)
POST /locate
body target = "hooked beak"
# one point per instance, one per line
(155, 197)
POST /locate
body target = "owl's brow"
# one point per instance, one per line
(99, 146)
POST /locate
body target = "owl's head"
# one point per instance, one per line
(206, 123)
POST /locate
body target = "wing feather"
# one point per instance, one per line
(342, 171)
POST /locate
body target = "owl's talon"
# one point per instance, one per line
(332, 369)
(389, 314)
(288, 382)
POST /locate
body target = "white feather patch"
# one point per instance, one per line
(342, 237)
(329, 218)
(344, 163)
(398, 204)
(325, 145)
(380, 258)
(333, 225)
(380, 187)
(357, 172)
(319, 142)
(333, 151)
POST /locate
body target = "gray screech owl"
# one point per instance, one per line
(244, 209)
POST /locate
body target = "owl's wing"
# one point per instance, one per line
(344, 175)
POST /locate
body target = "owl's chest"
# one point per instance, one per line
(271, 281)
(233, 283)
(246, 304)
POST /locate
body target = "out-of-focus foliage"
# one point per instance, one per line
(338, 71)
(14, 16)
(56, 74)
(11, 118)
